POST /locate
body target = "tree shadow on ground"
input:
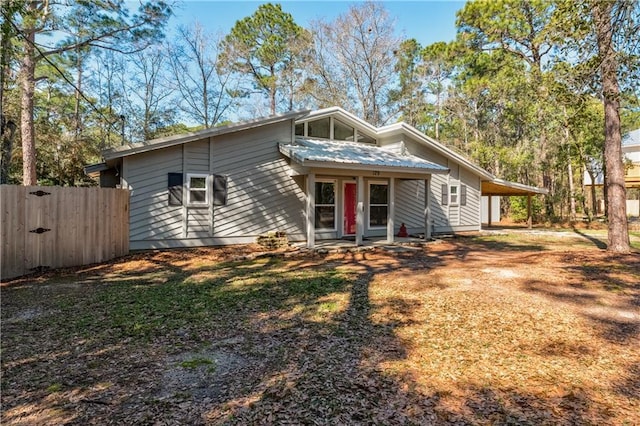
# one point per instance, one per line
(597, 242)
(305, 348)
(591, 280)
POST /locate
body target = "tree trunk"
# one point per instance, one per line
(572, 191)
(594, 202)
(272, 91)
(7, 125)
(615, 185)
(27, 80)
(76, 107)
(438, 115)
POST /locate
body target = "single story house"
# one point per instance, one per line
(314, 175)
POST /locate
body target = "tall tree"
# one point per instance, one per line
(410, 94)
(602, 48)
(110, 26)
(8, 119)
(527, 30)
(152, 108)
(205, 89)
(264, 46)
(437, 68)
(105, 82)
(604, 16)
(356, 52)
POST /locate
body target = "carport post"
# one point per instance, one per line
(490, 212)
(529, 218)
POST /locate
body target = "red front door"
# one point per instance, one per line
(349, 209)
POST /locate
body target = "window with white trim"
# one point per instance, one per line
(329, 127)
(319, 128)
(325, 205)
(197, 189)
(342, 131)
(378, 204)
(453, 195)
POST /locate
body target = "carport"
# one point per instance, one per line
(503, 188)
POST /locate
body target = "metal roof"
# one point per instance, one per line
(354, 155)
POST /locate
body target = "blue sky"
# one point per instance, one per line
(427, 21)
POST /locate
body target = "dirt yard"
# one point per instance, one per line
(493, 329)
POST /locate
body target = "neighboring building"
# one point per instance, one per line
(631, 152)
(315, 175)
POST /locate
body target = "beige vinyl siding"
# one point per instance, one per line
(454, 180)
(454, 215)
(439, 213)
(197, 161)
(197, 155)
(410, 204)
(450, 218)
(262, 197)
(198, 223)
(469, 213)
(146, 174)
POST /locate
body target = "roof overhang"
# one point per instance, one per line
(137, 148)
(313, 153)
(93, 170)
(506, 188)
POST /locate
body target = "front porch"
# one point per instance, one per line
(350, 191)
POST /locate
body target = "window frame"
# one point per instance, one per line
(376, 182)
(359, 136)
(362, 137)
(335, 123)
(335, 206)
(318, 120)
(206, 190)
(454, 198)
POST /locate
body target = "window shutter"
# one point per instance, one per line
(445, 194)
(463, 195)
(175, 189)
(219, 190)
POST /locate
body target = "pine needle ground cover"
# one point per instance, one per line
(498, 329)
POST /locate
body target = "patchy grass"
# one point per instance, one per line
(492, 329)
(198, 362)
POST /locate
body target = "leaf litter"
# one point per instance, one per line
(480, 330)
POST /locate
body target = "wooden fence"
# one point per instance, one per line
(46, 227)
